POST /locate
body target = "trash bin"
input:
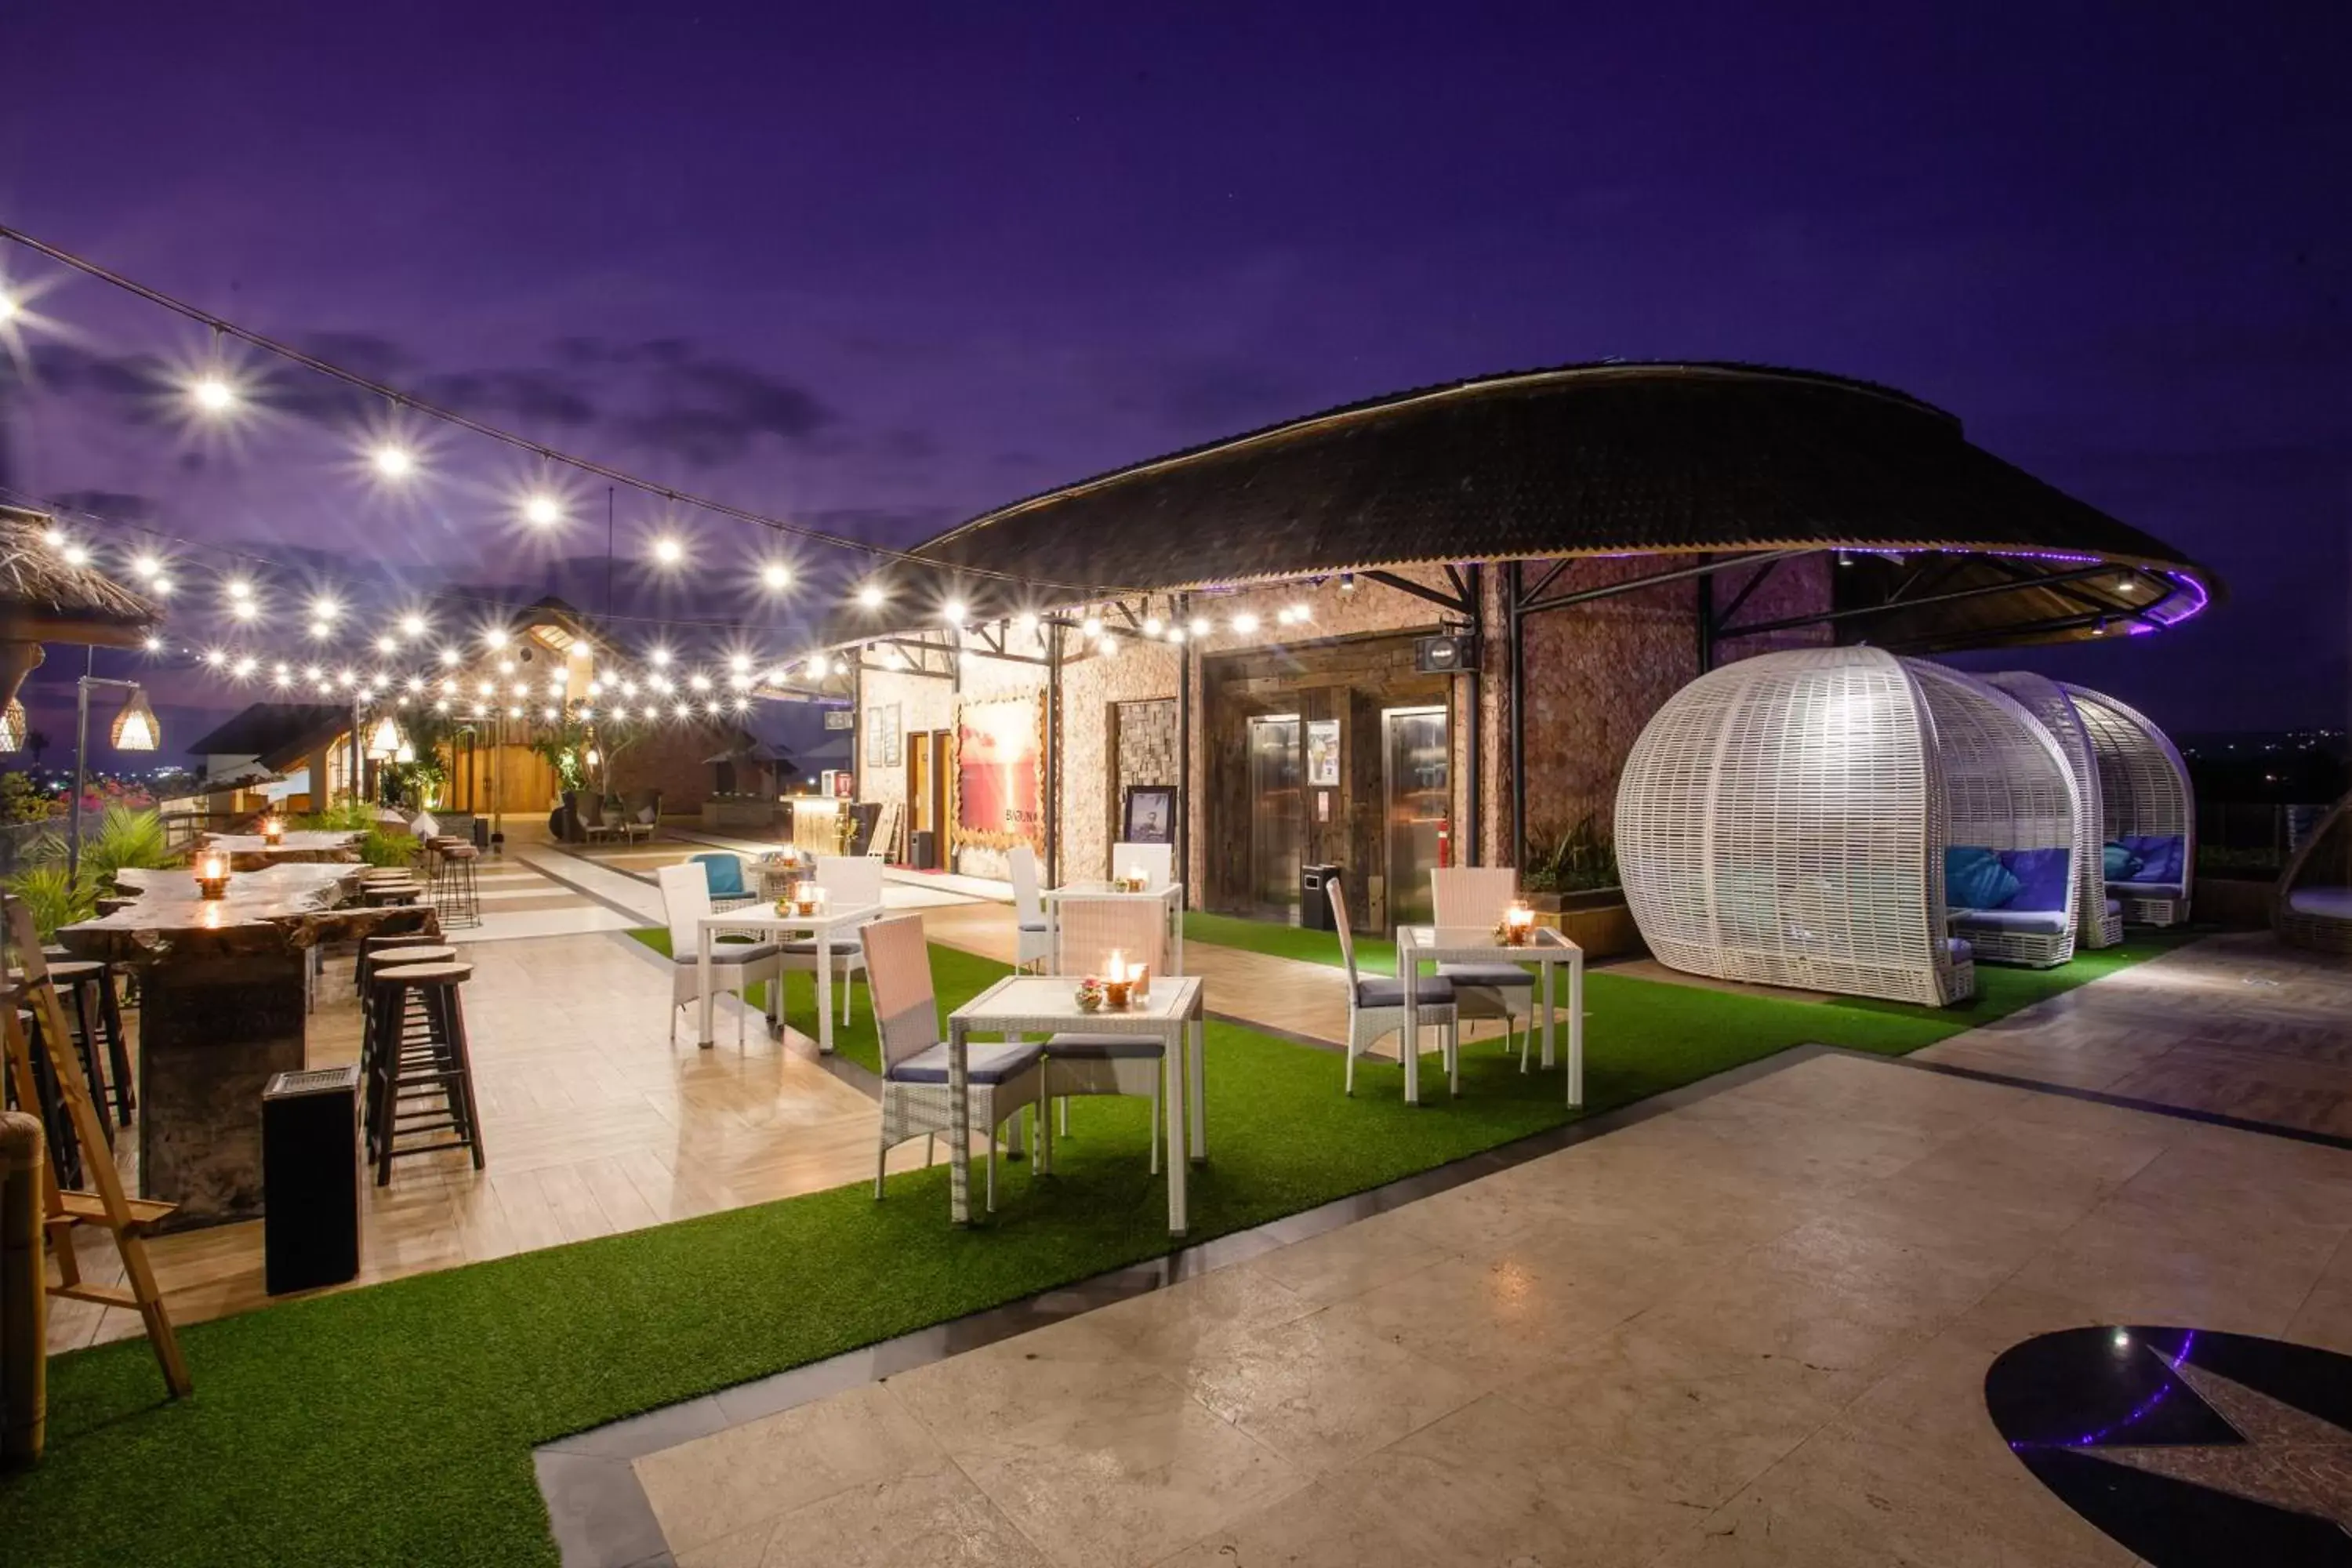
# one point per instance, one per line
(922, 850)
(311, 1179)
(1314, 901)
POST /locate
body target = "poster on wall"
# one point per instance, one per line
(882, 735)
(1000, 772)
(1323, 753)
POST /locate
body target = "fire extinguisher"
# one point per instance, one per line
(1445, 843)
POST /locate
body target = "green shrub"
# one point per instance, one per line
(54, 898)
(1572, 860)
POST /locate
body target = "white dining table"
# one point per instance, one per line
(1417, 945)
(1171, 897)
(763, 918)
(1024, 1006)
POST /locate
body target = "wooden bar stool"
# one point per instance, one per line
(381, 951)
(423, 1078)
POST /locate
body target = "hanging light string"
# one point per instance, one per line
(389, 457)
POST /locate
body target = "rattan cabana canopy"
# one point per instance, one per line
(1946, 545)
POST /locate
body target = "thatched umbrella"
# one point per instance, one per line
(46, 598)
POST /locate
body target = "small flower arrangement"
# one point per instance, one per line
(1090, 995)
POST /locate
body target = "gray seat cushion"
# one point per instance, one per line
(1486, 974)
(732, 953)
(989, 1061)
(1035, 926)
(2039, 923)
(841, 945)
(1376, 991)
(2146, 889)
(2114, 906)
(1104, 1047)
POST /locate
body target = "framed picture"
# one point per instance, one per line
(882, 735)
(1323, 753)
(1147, 815)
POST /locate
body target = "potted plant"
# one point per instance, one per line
(1572, 881)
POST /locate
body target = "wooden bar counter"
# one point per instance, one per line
(223, 1006)
(252, 852)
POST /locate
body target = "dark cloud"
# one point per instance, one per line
(529, 396)
(896, 526)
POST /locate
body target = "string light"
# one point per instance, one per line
(392, 460)
(543, 510)
(870, 596)
(9, 307)
(1091, 625)
(669, 552)
(1200, 626)
(1245, 623)
(413, 626)
(1153, 626)
(494, 638)
(952, 612)
(449, 657)
(212, 394)
(776, 576)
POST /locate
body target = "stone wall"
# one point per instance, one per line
(1144, 743)
(1093, 688)
(672, 757)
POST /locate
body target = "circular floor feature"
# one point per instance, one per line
(2188, 1445)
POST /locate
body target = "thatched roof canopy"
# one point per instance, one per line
(46, 598)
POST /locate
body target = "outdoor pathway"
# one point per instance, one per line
(2236, 1024)
(595, 1122)
(1755, 1330)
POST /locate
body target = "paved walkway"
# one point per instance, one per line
(1753, 1331)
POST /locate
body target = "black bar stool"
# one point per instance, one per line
(56, 1125)
(380, 953)
(457, 898)
(423, 1077)
(88, 983)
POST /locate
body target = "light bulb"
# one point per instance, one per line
(495, 637)
(543, 512)
(8, 309)
(160, 586)
(775, 577)
(387, 644)
(1027, 620)
(741, 664)
(1244, 622)
(244, 609)
(700, 682)
(239, 588)
(155, 645)
(393, 461)
(660, 658)
(412, 625)
(1200, 626)
(75, 555)
(669, 552)
(1153, 626)
(1091, 625)
(147, 566)
(1108, 646)
(212, 394)
(952, 612)
(870, 596)
(450, 656)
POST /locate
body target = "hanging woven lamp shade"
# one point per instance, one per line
(12, 727)
(135, 729)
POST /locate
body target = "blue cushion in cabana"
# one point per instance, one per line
(2159, 856)
(2038, 923)
(723, 873)
(2117, 863)
(1974, 879)
(2042, 876)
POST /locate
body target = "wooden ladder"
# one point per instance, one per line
(65, 1209)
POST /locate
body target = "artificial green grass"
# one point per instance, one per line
(393, 1424)
(2000, 990)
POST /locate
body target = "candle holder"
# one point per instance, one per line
(212, 878)
(1117, 994)
(273, 831)
(1518, 925)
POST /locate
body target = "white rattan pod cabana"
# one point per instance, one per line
(2098, 919)
(1791, 819)
(2011, 821)
(1780, 820)
(2146, 806)
(2313, 906)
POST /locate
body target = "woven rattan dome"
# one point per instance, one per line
(2144, 795)
(1785, 820)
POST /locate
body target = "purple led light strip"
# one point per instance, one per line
(2146, 1406)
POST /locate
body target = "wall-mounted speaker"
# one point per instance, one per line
(1451, 654)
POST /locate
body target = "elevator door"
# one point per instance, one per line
(1414, 764)
(1277, 819)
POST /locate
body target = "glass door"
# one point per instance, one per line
(1416, 763)
(1275, 818)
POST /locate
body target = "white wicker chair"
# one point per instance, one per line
(2007, 789)
(1002, 1078)
(2312, 907)
(736, 965)
(1156, 861)
(848, 881)
(1477, 896)
(2146, 804)
(1033, 940)
(884, 843)
(1087, 932)
(1376, 1005)
(2099, 919)
(1780, 820)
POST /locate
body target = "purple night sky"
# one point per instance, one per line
(878, 275)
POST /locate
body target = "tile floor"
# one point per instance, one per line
(1752, 1329)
